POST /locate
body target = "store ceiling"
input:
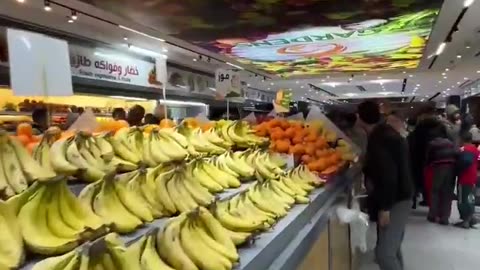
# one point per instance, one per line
(424, 81)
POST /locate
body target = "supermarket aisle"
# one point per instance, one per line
(430, 246)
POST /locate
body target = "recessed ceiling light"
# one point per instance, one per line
(445, 77)
(268, 88)
(467, 47)
(410, 75)
(271, 83)
(297, 82)
(195, 59)
(125, 38)
(458, 83)
(418, 85)
(459, 56)
(21, 1)
(465, 78)
(439, 81)
(70, 20)
(364, 74)
(46, 6)
(74, 15)
(478, 71)
(443, 74)
(303, 87)
(404, 72)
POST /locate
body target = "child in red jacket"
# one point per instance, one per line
(467, 178)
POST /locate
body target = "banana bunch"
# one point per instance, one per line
(213, 174)
(77, 259)
(114, 200)
(235, 164)
(239, 133)
(53, 221)
(301, 175)
(163, 146)
(12, 250)
(179, 189)
(267, 165)
(82, 155)
(41, 153)
(18, 168)
(203, 143)
(197, 241)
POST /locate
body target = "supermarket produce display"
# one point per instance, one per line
(213, 188)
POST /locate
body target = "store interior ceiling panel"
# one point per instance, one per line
(365, 41)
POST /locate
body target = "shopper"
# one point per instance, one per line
(440, 175)
(467, 178)
(40, 120)
(119, 114)
(418, 141)
(135, 115)
(453, 124)
(150, 119)
(387, 168)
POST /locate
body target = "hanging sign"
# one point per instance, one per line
(109, 65)
(282, 101)
(228, 83)
(39, 65)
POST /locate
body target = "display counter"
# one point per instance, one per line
(304, 239)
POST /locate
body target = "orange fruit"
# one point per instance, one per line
(290, 132)
(24, 129)
(24, 139)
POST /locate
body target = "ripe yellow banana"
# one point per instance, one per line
(106, 149)
(205, 179)
(12, 250)
(123, 151)
(30, 167)
(204, 236)
(58, 159)
(12, 169)
(130, 195)
(88, 172)
(181, 198)
(170, 248)
(221, 176)
(107, 204)
(238, 238)
(150, 258)
(163, 194)
(199, 252)
(58, 262)
(33, 223)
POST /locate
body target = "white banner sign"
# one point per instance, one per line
(39, 65)
(112, 66)
(228, 82)
(161, 70)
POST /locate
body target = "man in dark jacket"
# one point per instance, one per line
(387, 169)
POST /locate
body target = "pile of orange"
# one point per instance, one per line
(305, 143)
(111, 125)
(26, 137)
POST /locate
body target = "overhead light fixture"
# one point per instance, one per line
(125, 38)
(350, 94)
(130, 98)
(441, 48)
(70, 20)
(386, 93)
(404, 72)
(215, 90)
(297, 82)
(410, 75)
(364, 74)
(140, 33)
(145, 51)
(478, 71)
(46, 5)
(447, 69)
(445, 77)
(443, 74)
(195, 59)
(468, 3)
(272, 83)
(74, 15)
(467, 47)
(268, 88)
(465, 78)
(418, 85)
(179, 102)
(439, 81)
(302, 86)
(21, 1)
(233, 65)
(459, 56)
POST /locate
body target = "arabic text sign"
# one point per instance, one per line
(112, 66)
(38, 64)
(227, 82)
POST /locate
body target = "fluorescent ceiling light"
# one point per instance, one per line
(382, 81)
(130, 98)
(468, 3)
(441, 48)
(179, 102)
(332, 84)
(145, 51)
(215, 90)
(386, 93)
(350, 94)
(141, 33)
(233, 65)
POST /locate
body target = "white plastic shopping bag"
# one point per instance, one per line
(358, 226)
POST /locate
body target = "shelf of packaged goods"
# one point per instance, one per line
(15, 113)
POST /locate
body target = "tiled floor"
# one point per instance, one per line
(429, 246)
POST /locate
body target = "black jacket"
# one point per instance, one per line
(387, 168)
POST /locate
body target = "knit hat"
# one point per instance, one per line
(451, 110)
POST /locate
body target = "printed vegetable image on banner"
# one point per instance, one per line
(282, 101)
(295, 37)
